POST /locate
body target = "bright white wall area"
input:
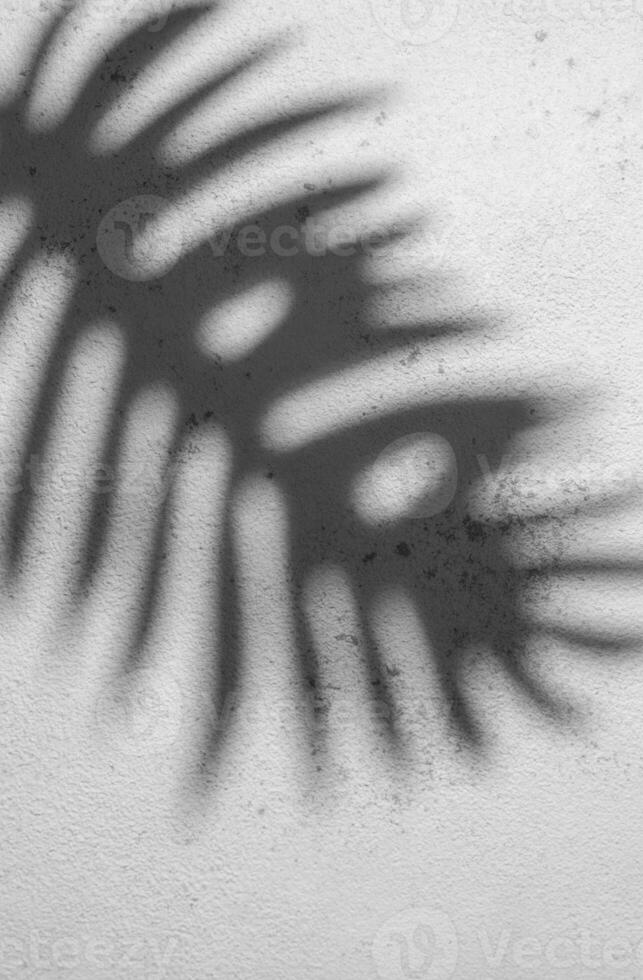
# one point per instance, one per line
(516, 126)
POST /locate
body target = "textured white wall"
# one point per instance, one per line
(519, 125)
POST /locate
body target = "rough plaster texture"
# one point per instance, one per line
(519, 125)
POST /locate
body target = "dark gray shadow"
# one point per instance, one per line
(457, 569)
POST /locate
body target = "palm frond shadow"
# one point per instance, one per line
(456, 568)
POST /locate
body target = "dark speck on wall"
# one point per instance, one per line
(403, 549)
(475, 530)
(347, 638)
(540, 35)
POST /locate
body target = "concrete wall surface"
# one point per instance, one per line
(321, 459)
